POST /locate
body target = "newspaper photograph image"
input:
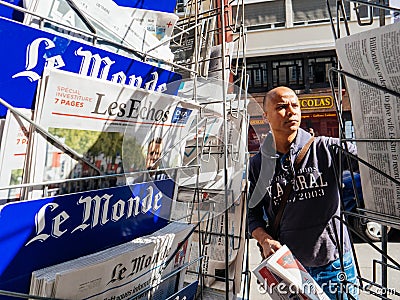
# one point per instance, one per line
(13, 148)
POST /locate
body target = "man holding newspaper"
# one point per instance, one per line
(293, 186)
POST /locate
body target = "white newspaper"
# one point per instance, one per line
(213, 247)
(110, 21)
(160, 24)
(215, 66)
(283, 265)
(276, 288)
(110, 124)
(121, 271)
(205, 149)
(13, 149)
(373, 55)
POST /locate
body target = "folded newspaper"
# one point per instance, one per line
(284, 277)
(121, 271)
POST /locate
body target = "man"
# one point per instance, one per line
(152, 162)
(154, 151)
(307, 224)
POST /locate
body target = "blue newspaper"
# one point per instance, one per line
(165, 5)
(26, 51)
(39, 233)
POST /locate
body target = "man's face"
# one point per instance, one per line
(153, 154)
(283, 112)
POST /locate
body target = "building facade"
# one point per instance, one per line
(291, 43)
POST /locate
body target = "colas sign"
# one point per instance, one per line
(316, 102)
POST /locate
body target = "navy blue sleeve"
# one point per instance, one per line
(350, 147)
(255, 215)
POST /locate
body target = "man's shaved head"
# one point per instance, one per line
(280, 91)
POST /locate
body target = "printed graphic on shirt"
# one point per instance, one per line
(308, 183)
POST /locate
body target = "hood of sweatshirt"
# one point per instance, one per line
(269, 157)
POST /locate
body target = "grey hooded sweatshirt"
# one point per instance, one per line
(307, 225)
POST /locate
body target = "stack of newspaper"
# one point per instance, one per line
(125, 270)
(283, 276)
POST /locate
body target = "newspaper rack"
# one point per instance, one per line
(210, 24)
(378, 288)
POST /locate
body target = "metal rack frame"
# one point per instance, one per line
(194, 14)
(220, 10)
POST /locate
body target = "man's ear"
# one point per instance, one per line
(265, 117)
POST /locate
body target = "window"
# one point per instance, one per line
(349, 130)
(261, 15)
(319, 71)
(258, 77)
(314, 11)
(180, 6)
(289, 73)
(365, 11)
(297, 71)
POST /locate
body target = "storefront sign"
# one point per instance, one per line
(257, 122)
(318, 115)
(316, 102)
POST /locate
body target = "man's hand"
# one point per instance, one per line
(267, 243)
(269, 246)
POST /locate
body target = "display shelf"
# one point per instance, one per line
(216, 205)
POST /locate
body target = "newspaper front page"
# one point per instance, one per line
(272, 283)
(110, 124)
(373, 55)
